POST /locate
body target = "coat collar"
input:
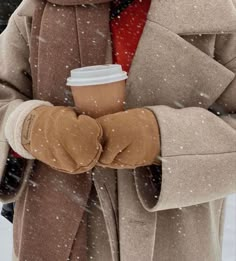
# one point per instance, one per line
(27, 7)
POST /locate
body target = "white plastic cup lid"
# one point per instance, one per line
(95, 75)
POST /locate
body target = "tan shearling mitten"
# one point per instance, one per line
(130, 139)
(61, 139)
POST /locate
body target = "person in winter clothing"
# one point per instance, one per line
(92, 188)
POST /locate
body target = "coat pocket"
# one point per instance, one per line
(105, 184)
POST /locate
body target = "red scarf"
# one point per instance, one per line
(126, 31)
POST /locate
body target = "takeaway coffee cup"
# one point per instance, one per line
(98, 90)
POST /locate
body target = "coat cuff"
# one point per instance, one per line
(187, 180)
(14, 125)
(198, 151)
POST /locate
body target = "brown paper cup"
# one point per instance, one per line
(98, 90)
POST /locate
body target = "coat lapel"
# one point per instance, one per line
(168, 70)
(194, 16)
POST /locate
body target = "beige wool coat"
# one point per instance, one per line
(184, 65)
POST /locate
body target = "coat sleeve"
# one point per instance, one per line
(15, 80)
(198, 147)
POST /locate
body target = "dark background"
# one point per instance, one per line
(7, 7)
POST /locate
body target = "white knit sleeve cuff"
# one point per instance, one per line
(14, 125)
